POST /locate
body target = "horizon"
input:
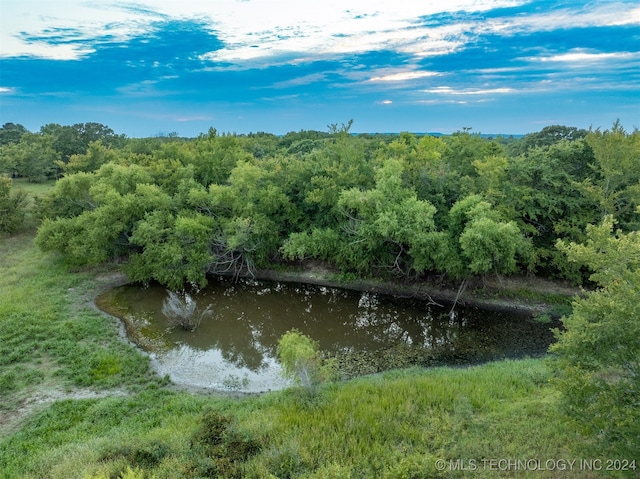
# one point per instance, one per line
(153, 68)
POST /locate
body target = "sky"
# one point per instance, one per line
(155, 67)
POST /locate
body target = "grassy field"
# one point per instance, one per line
(78, 402)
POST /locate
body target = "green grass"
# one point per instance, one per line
(33, 189)
(391, 425)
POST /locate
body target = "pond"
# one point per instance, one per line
(234, 347)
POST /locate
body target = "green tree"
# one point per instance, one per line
(175, 250)
(597, 356)
(541, 192)
(463, 148)
(384, 227)
(302, 361)
(72, 140)
(90, 217)
(616, 188)
(486, 242)
(96, 155)
(69, 197)
(12, 206)
(253, 215)
(11, 133)
(546, 137)
(10, 155)
(37, 157)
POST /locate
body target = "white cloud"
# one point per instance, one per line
(404, 76)
(303, 80)
(26, 27)
(250, 30)
(583, 57)
(590, 15)
(447, 90)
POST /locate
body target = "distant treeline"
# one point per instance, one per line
(176, 209)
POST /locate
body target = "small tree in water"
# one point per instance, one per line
(181, 310)
(302, 361)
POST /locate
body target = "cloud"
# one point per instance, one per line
(331, 56)
(447, 90)
(587, 15)
(586, 58)
(302, 80)
(404, 76)
(249, 30)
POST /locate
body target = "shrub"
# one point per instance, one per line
(12, 206)
(217, 450)
(301, 360)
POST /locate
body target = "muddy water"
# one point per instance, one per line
(234, 348)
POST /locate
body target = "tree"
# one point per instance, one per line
(12, 206)
(95, 156)
(597, 356)
(97, 222)
(75, 139)
(37, 157)
(384, 227)
(540, 191)
(546, 137)
(11, 133)
(302, 361)
(174, 250)
(253, 216)
(10, 155)
(616, 188)
(487, 243)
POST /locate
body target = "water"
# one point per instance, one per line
(234, 347)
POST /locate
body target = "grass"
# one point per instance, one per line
(33, 189)
(392, 425)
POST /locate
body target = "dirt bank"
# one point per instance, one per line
(520, 294)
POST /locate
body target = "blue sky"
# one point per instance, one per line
(151, 67)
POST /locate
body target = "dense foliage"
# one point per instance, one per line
(175, 210)
(598, 355)
(12, 206)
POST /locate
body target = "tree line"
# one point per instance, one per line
(175, 210)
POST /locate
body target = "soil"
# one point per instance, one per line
(521, 294)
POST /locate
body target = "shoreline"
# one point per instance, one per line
(526, 295)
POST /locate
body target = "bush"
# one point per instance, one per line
(217, 450)
(598, 354)
(12, 206)
(301, 360)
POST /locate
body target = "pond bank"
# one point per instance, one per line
(518, 294)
